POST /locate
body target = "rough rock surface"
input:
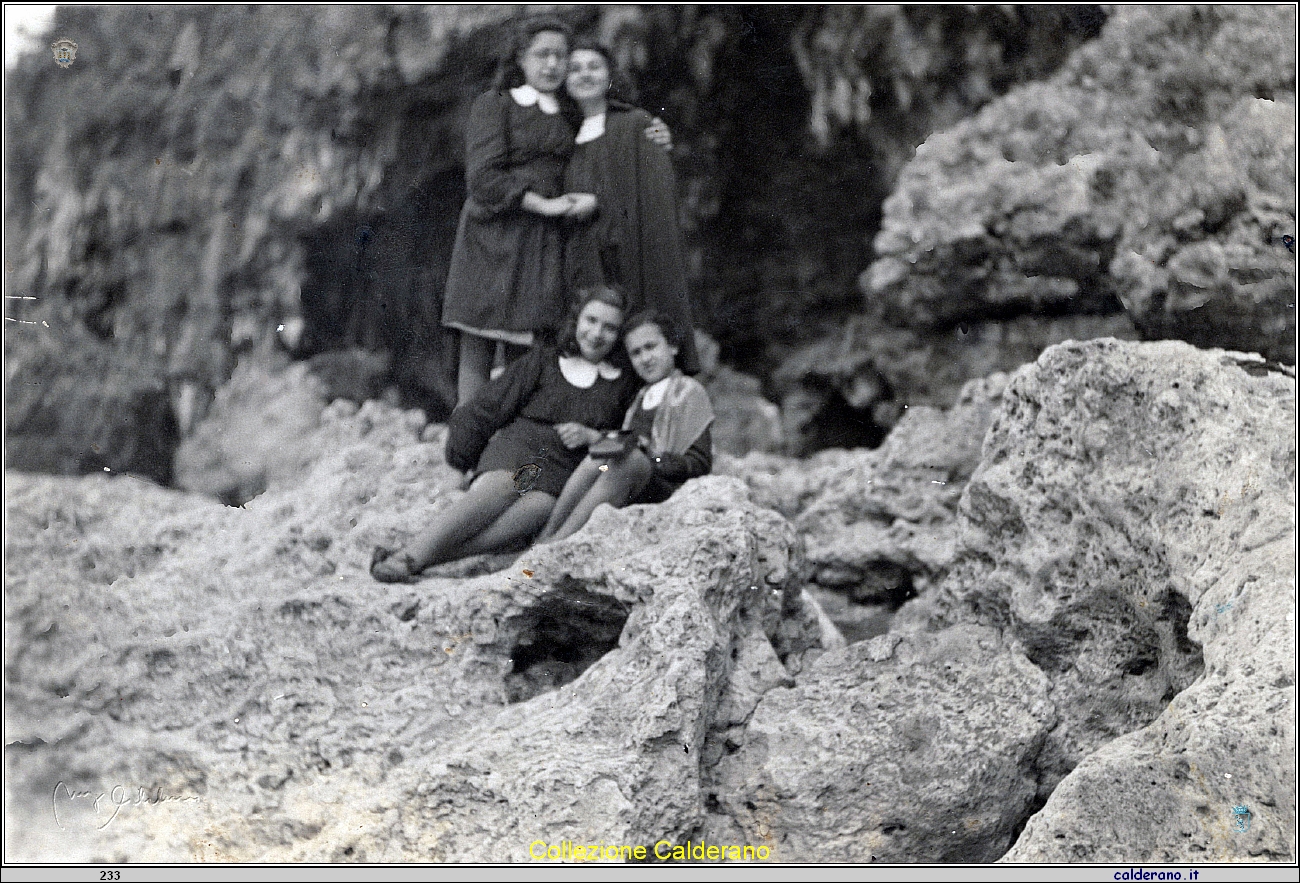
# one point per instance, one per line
(253, 433)
(918, 749)
(237, 688)
(1157, 167)
(1131, 529)
(879, 525)
(274, 702)
(846, 390)
(616, 756)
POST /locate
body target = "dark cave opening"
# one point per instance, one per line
(560, 638)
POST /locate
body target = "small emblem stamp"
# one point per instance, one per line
(65, 51)
(1241, 819)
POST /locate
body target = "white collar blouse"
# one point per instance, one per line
(527, 96)
(582, 374)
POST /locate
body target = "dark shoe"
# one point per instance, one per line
(388, 566)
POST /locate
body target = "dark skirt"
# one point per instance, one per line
(506, 275)
(534, 454)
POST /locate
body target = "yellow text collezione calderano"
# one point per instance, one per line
(663, 850)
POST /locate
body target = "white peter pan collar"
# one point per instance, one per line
(654, 394)
(591, 129)
(527, 96)
(583, 374)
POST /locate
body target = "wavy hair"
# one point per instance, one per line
(668, 327)
(605, 294)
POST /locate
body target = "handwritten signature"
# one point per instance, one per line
(115, 799)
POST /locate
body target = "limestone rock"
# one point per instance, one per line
(253, 433)
(880, 525)
(1206, 261)
(616, 755)
(1131, 529)
(845, 389)
(896, 749)
(1156, 166)
(275, 703)
(744, 420)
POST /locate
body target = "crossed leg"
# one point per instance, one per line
(579, 483)
(513, 527)
(622, 481)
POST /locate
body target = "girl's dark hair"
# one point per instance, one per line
(509, 74)
(606, 294)
(671, 331)
(619, 90)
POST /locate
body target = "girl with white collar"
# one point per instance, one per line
(505, 282)
(634, 240)
(524, 434)
(665, 439)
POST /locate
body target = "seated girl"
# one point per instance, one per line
(668, 423)
(525, 432)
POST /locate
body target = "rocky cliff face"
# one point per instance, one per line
(206, 182)
(1110, 627)
(1163, 147)
(1145, 189)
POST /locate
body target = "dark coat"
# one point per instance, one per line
(635, 239)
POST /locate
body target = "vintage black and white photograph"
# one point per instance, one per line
(702, 435)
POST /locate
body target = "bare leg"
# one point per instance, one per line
(476, 355)
(513, 527)
(574, 489)
(623, 480)
(488, 497)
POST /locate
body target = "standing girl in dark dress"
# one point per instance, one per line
(525, 433)
(505, 282)
(633, 240)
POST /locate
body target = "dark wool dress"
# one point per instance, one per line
(506, 275)
(511, 422)
(635, 239)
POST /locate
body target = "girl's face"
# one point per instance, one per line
(597, 330)
(545, 61)
(589, 75)
(652, 355)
